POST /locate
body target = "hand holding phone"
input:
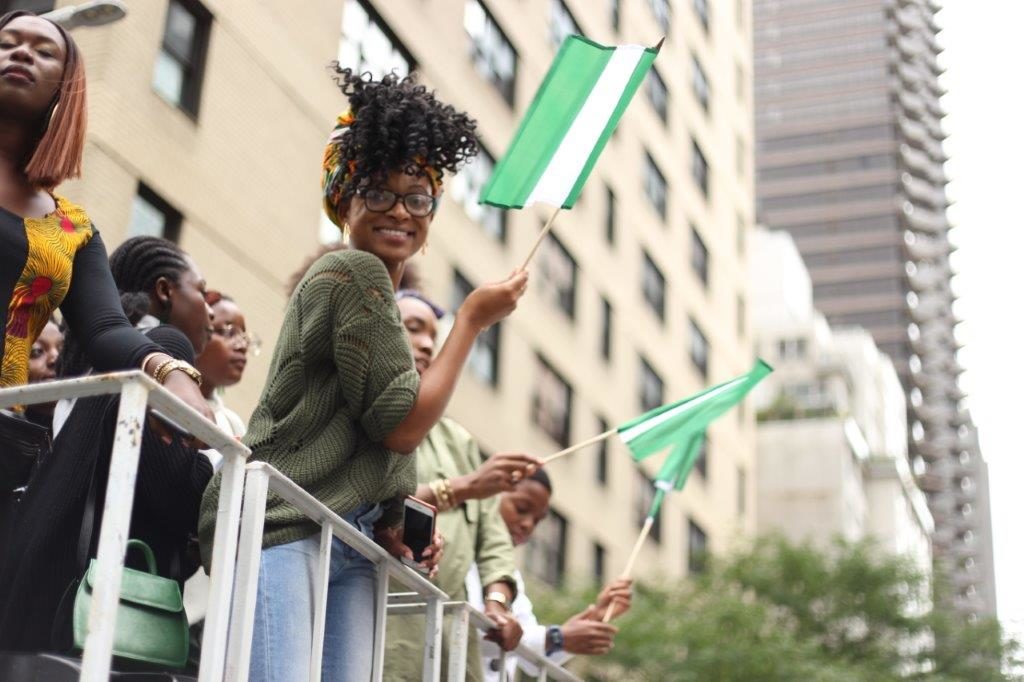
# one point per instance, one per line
(418, 531)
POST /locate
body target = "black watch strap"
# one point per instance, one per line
(556, 640)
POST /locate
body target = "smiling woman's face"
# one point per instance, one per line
(32, 56)
(394, 235)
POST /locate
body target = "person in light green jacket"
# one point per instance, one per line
(453, 477)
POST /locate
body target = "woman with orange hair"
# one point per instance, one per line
(50, 253)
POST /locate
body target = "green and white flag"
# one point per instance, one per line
(677, 422)
(573, 114)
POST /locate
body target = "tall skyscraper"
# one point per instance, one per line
(850, 162)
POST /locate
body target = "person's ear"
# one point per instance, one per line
(163, 290)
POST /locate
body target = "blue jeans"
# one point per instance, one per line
(283, 632)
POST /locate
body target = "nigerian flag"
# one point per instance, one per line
(682, 424)
(573, 114)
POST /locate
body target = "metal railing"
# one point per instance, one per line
(262, 478)
(138, 392)
(465, 615)
(233, 585)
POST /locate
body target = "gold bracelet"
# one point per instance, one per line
(158, 370)
(145, 360)
(438, 489)
(449, 493)
(180, 365)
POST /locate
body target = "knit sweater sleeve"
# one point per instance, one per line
(371, 350)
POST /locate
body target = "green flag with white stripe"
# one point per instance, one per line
(678, 422)
(573, 114)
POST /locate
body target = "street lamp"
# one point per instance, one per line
(92, 13)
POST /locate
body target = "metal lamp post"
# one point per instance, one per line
(92, 13)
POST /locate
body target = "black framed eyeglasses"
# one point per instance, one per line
(417, 204)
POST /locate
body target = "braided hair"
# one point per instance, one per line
(136, 265)
(393, 124)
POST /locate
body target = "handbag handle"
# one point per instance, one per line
(146, 552)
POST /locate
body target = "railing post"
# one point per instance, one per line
(380, 621)
(502, 673)
(117, 513)
(222, 570)
(432, 640)
(243, 613)
(458, 644)
(320, 587)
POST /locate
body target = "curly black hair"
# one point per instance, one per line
(136, 265)
(399, 125)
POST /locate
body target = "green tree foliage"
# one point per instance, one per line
(779, 611)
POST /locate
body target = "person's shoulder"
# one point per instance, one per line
(173, 341)
(453, 432)
(351, 267)
(80, 220)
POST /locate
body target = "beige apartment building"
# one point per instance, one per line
(208, 121)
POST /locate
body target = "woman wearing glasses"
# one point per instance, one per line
(224, 359)
(343, 407)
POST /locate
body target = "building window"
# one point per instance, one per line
(556, 273)
(655, 186)
(367, 44)
(652, 388)
(466, 187)
(178, 75)
(699, 169)
(491, 51)
(701, 88)
(552, 403)
(741, 491)
(644, 499)
(697, 548)
(484, 358)
(599, 555)
(563, 23)
(698, 256)
(609, 216)
(152, 216)
(698, 349)
(654, 287)
(602, 453)
(701, 465)
(606, 329)
(701, 8)
(662, 13)
(657, 93)
(545, 552)
(615, 15)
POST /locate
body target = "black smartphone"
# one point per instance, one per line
(418, 529)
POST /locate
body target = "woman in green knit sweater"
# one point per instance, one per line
(343, 408)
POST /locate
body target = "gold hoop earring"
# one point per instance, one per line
(49, 116)
(423, 249)
(345, 233)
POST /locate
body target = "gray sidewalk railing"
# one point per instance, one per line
(138, 392)
(233, 584)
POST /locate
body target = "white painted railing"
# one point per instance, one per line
(233, 585)
(137, 392)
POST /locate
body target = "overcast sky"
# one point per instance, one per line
(983, 57)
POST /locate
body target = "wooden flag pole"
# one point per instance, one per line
(579, 446)
(543, 233)
(644, 532)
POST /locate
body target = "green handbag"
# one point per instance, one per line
(151, 621)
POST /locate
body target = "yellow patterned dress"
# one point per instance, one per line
(59, 261)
